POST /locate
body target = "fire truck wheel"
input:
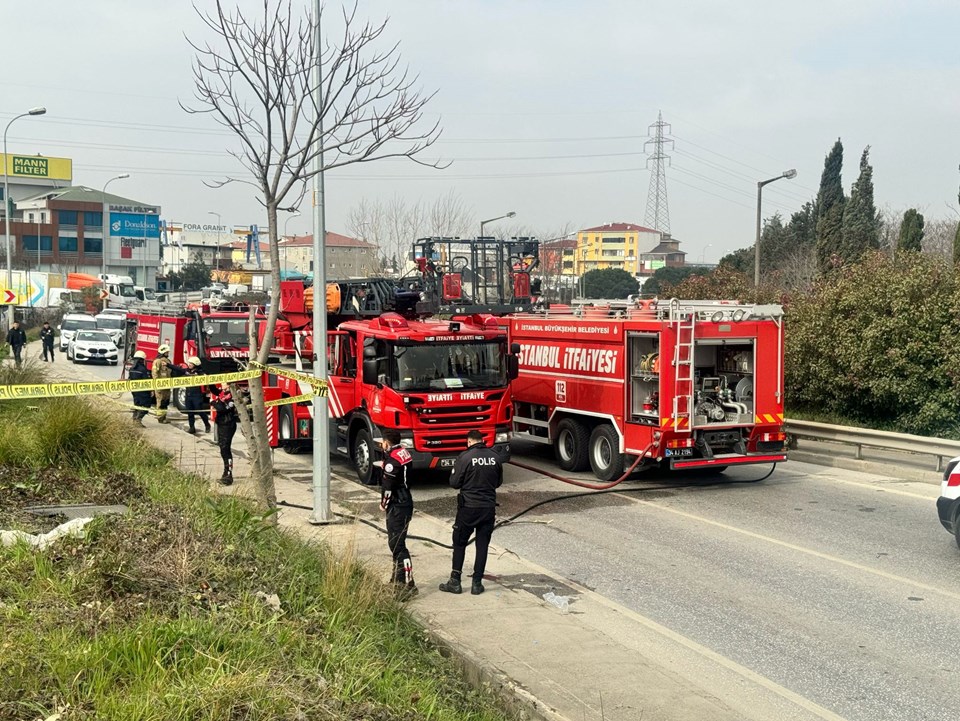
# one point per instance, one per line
(180, 399)
(286, 431)
(570, 447)
(362, 455)
(606, 460)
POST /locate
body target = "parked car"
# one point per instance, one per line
(114, 324)
(71, 323)
(948, 505)
(91, 346)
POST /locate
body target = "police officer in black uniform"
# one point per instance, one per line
(396, 501)
(478, 474)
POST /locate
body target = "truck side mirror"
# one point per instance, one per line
(515, 348)
(513, 367)
(369, 370)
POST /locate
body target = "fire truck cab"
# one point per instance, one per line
(687, 384)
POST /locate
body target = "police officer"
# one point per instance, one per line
(195, 398)
(478, 474)
(141, 399)
(397, 503)
(17, 339)
(162, 368)
(46, 339)
(226, 419)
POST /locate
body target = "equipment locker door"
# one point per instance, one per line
(341, 372)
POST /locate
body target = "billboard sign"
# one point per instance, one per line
(38, 167)
(134, 225)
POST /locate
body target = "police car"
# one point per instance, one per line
(948, 505)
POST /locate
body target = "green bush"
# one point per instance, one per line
(876, 342)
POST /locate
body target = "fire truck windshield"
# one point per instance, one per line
(226, 332)
(440, 366)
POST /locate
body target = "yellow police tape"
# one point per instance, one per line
(290, 400)
(89, 388)
(319, 386)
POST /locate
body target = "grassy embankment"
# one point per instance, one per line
(189, 606)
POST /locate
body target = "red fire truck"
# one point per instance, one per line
(689, 384)
(218, 338)
(388, 367)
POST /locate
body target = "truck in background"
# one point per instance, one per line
(687, 384)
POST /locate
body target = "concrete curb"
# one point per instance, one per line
(864, 466)
(515, 699)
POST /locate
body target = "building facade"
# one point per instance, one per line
(614, 245)
(63, 231)
(666, 254)
(346, 257)
(208, 243)
(559, 257)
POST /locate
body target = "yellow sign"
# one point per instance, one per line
(39, 167)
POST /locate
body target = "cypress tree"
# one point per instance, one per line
(830, 202)
(861, 223)
(911, 232)
(956, 240)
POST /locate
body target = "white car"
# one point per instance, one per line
(71, 323)
(948, 505)
(93, 345)
(114, 324)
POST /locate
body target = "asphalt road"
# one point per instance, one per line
(839, 586)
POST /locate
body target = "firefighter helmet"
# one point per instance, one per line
(140, 354)
(194, 361)
(163, 349)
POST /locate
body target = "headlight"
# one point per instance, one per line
(502, 437)
(406, 443)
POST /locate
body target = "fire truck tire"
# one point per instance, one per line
(180, 399)
(285, 432)
(606, 460)
(570, 447)
(362, 455)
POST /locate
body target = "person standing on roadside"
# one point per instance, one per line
(226, 419)
(195, 397)
(46, 338)
(17, 339)
(478, 474)
(142, 400)
(162, 368)
(397, 503)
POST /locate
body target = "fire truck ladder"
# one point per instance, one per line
(684, 321)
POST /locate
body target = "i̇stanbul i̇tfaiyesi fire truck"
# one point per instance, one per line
(391, 367)
(690, 384)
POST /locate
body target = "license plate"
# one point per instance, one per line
(675, 452)
(448, 462)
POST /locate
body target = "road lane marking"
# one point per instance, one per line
(708, 653)
(800, 549)
(872, 487)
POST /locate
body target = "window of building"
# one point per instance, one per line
(92, 245)
(29, 217)
(93, 218)
(43, 217)
(68, 245)
(30, 243)
(615, 239)
(67, 217)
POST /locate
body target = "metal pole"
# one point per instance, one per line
(105, 219)
(756, 247)
(321, 449)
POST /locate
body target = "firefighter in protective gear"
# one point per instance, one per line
(478, 474)
(397, 503)
(141, 399)
(162, 368)
(195, 397)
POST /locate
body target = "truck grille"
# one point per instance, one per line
(450, 442)
(464, 415)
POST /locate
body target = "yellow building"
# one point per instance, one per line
(614, 245)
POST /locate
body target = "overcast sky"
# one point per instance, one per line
(545, 106)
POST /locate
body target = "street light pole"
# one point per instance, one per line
(7, 206)
(216, 252)
(511, 214)
(105, 220)
(789, 175)
(295, 214)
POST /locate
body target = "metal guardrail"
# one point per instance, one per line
(884, 440)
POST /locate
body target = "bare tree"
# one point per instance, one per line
(938, 236)
(255, 76)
